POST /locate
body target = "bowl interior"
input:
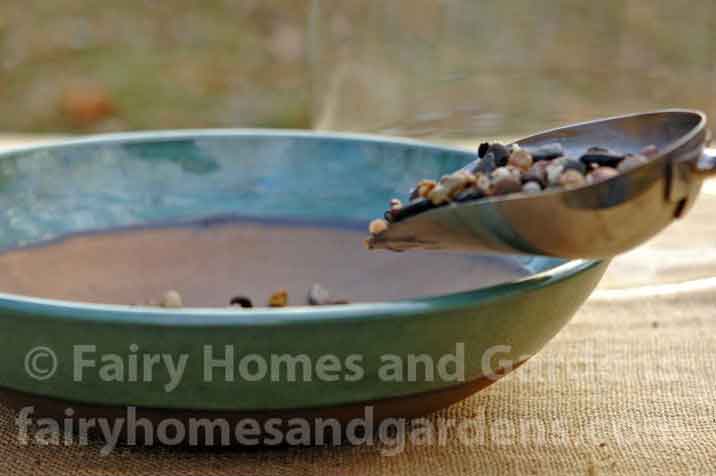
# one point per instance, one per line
(120, 219)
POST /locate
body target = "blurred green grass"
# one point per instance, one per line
(412, 67)
(179, 64)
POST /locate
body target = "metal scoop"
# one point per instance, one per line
(594, 221)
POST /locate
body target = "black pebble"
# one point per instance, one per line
(241, 301)
(545, 152)
(482, 150)
(412, 208)
(499, 152)
(601, 157)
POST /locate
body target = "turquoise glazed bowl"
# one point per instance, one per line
(137, 180)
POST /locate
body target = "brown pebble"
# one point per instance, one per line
(377, 226)
(422, 189)
(507, 185)
(439, 194)
(600, 174)
(278, 299)
(520, 159)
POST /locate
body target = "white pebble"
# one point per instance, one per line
(171, 298)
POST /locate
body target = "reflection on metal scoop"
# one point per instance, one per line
(594, 221)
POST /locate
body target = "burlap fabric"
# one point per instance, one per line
(627, 387)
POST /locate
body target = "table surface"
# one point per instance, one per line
(625, 388)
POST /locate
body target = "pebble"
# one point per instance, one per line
(520, 159)
(508, 184)
(241, 301)
(278, 299)
(499, 152)
(546, 151)
(171, 299)
(601, 157)
(631, 162)
(320, 296)
(482, 150)
(537, 173)
(507, 171)
(377, 226)
(554, 172)
(531, 187)
(513, 168)
(574, 164)
(571, 178)
(439, 194)
(600, 174)
(422, 189)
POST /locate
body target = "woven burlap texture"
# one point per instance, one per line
(626, 388)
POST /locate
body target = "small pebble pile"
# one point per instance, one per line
(505, 169)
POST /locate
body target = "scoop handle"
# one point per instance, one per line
(706, 165)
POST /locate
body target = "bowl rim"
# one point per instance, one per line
(75, 311)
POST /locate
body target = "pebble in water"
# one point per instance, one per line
(278, 299)
(241, 301)
(320, 296)
(171, 299)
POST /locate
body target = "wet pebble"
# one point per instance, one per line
(377, 226)
(171, 299)
(320, 296)
(278, 299)
(241, 301)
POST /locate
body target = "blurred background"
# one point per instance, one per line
(422, 68)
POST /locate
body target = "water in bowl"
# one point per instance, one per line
(210, 261)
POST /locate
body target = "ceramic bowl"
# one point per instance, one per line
(129, 181)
